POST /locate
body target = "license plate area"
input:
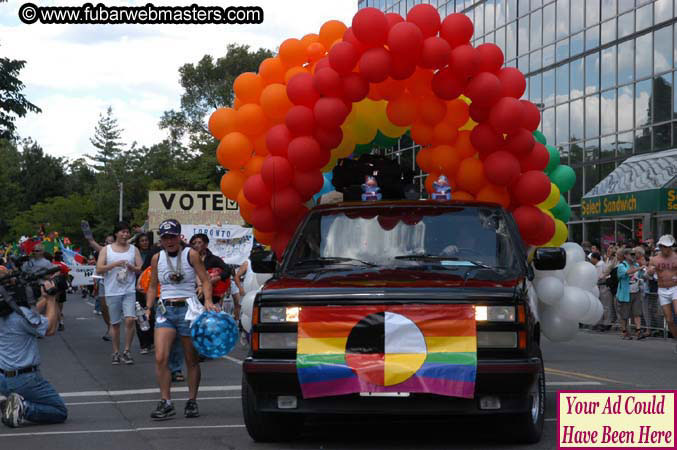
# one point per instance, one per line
(384, 394)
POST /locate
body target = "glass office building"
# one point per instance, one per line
(602, 73)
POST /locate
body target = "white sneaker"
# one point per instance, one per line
(13, 413)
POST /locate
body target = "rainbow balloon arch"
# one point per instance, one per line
(328, 94)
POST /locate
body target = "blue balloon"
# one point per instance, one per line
(214, 334)
(326, 187)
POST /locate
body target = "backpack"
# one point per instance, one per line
(612, 281)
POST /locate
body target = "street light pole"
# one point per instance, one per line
(121, 199)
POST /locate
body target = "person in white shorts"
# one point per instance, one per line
(664, 266)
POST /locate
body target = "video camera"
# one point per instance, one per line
(13, 288)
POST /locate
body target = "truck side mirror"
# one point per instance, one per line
(263, 262)
(550, 258)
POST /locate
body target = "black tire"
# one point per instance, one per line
(268, 427)
(528, 428)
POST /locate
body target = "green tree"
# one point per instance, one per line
(107, 141)
(11, 192)
(12, 102)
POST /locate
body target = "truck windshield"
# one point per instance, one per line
(464, 239)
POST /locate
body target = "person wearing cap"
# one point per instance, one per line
(176, 271)
(629, 303)
(664, 266)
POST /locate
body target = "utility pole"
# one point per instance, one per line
(121, 199)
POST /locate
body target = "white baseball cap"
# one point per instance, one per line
(667, 240)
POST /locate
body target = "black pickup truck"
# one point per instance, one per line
(404, 254)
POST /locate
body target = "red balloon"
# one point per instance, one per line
(305, 154)
(484, 138)
(513, 82)
(342, 57)
(370, 27)
(263, 219)
(308, 184)
(520, 143)
(277, 139)
(506, 115)
(531, 188)
(387, 223)
(465, 60)
(446, 85)
(435, 54)
(375, 64)
(330, 112)
(431, 109)
(532, 115)
(355, 88)
(393, 19)
(478, 113)
(501, 168)
(300, 90)
(402, 67)
(546, 233)
(276, 172)
(329, 138)
(288, 225)
(256, 191)
(300, 120)
(286, 202)
(484, 89)
(530, 220)
(349, 36)
(328, 83)
(491, 58)
(426, 18)
(280, 244)
(405, 39)
(321, 64)
(537, 159)
(456, 29)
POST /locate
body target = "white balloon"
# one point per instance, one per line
(574, 304)
(595, 291)
(583, 275)
(247, 310)
(595, 312)
(555, 327)
(549, 290)
(261, 278)
(574, 253)
(246, 322)
(548, 273)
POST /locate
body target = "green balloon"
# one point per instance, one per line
(553, 160)
(381, 140)
(361, 149)
(562, 211)
(540, 137)
(564, 177)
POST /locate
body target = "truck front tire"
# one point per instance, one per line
(528, 427)
(267, 427)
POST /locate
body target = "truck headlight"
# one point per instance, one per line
(277, 341)
(279, 314)
(495, 313)
(496, 339)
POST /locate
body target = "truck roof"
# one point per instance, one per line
(403, 203)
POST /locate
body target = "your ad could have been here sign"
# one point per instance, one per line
(190, 207)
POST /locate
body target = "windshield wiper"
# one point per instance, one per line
(331, 260)
(478, 267)
(427, 256)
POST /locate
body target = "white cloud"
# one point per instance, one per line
(74, 72)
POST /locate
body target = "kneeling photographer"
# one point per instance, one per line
(29, 396)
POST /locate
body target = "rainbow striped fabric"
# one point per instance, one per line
(400, 348)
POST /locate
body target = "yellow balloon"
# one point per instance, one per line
(347, 145)
(552, 199)
(561, 234)
(469, 125)
(545, 211)
(352, 116)
(330, 165)
(390, 130)
(465, 99)
(363, 131)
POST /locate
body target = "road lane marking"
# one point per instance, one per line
(120, 430)
(566, 373)
(235, 360)
(573, 383)
(120, 402)
(551, 419)
(147, 391)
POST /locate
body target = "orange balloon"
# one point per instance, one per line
(251, 120)
(254, 165)
(391, 89)
(331, 31)
(431, 109)
(422, 133)
(264, 238)
(248, 87)
(234, 151)
(237, 103)
(374, 94)
(275, 102)
(231, 183)
(243, 202)
(443, 133)
(463, 145)
(222, 122)
(494, 194)
(462, 195)
(424, 160)
(260, 146)
(315, 52)
(310, 38)
(429, 180)
(457, 113)
(272, 70)
(293, 71)
(470, 176)
(246, 214)
(446, 160)
(292, 52)
(419, 83)
(403, 110)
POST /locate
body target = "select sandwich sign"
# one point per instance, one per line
(203, 207)
(640, 202)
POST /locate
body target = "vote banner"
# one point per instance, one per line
(82, 275)
(231, 243)
(207, 207)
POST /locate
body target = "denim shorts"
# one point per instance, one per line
(121, 305)
(174, 318)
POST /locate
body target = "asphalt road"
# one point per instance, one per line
(109, 406)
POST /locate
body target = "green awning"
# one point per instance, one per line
(641, 184)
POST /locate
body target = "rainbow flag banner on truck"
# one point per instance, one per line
(387, 348)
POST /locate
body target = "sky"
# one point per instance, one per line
(74, 72)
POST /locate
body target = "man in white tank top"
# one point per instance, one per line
(119, 263)
(176, 270)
